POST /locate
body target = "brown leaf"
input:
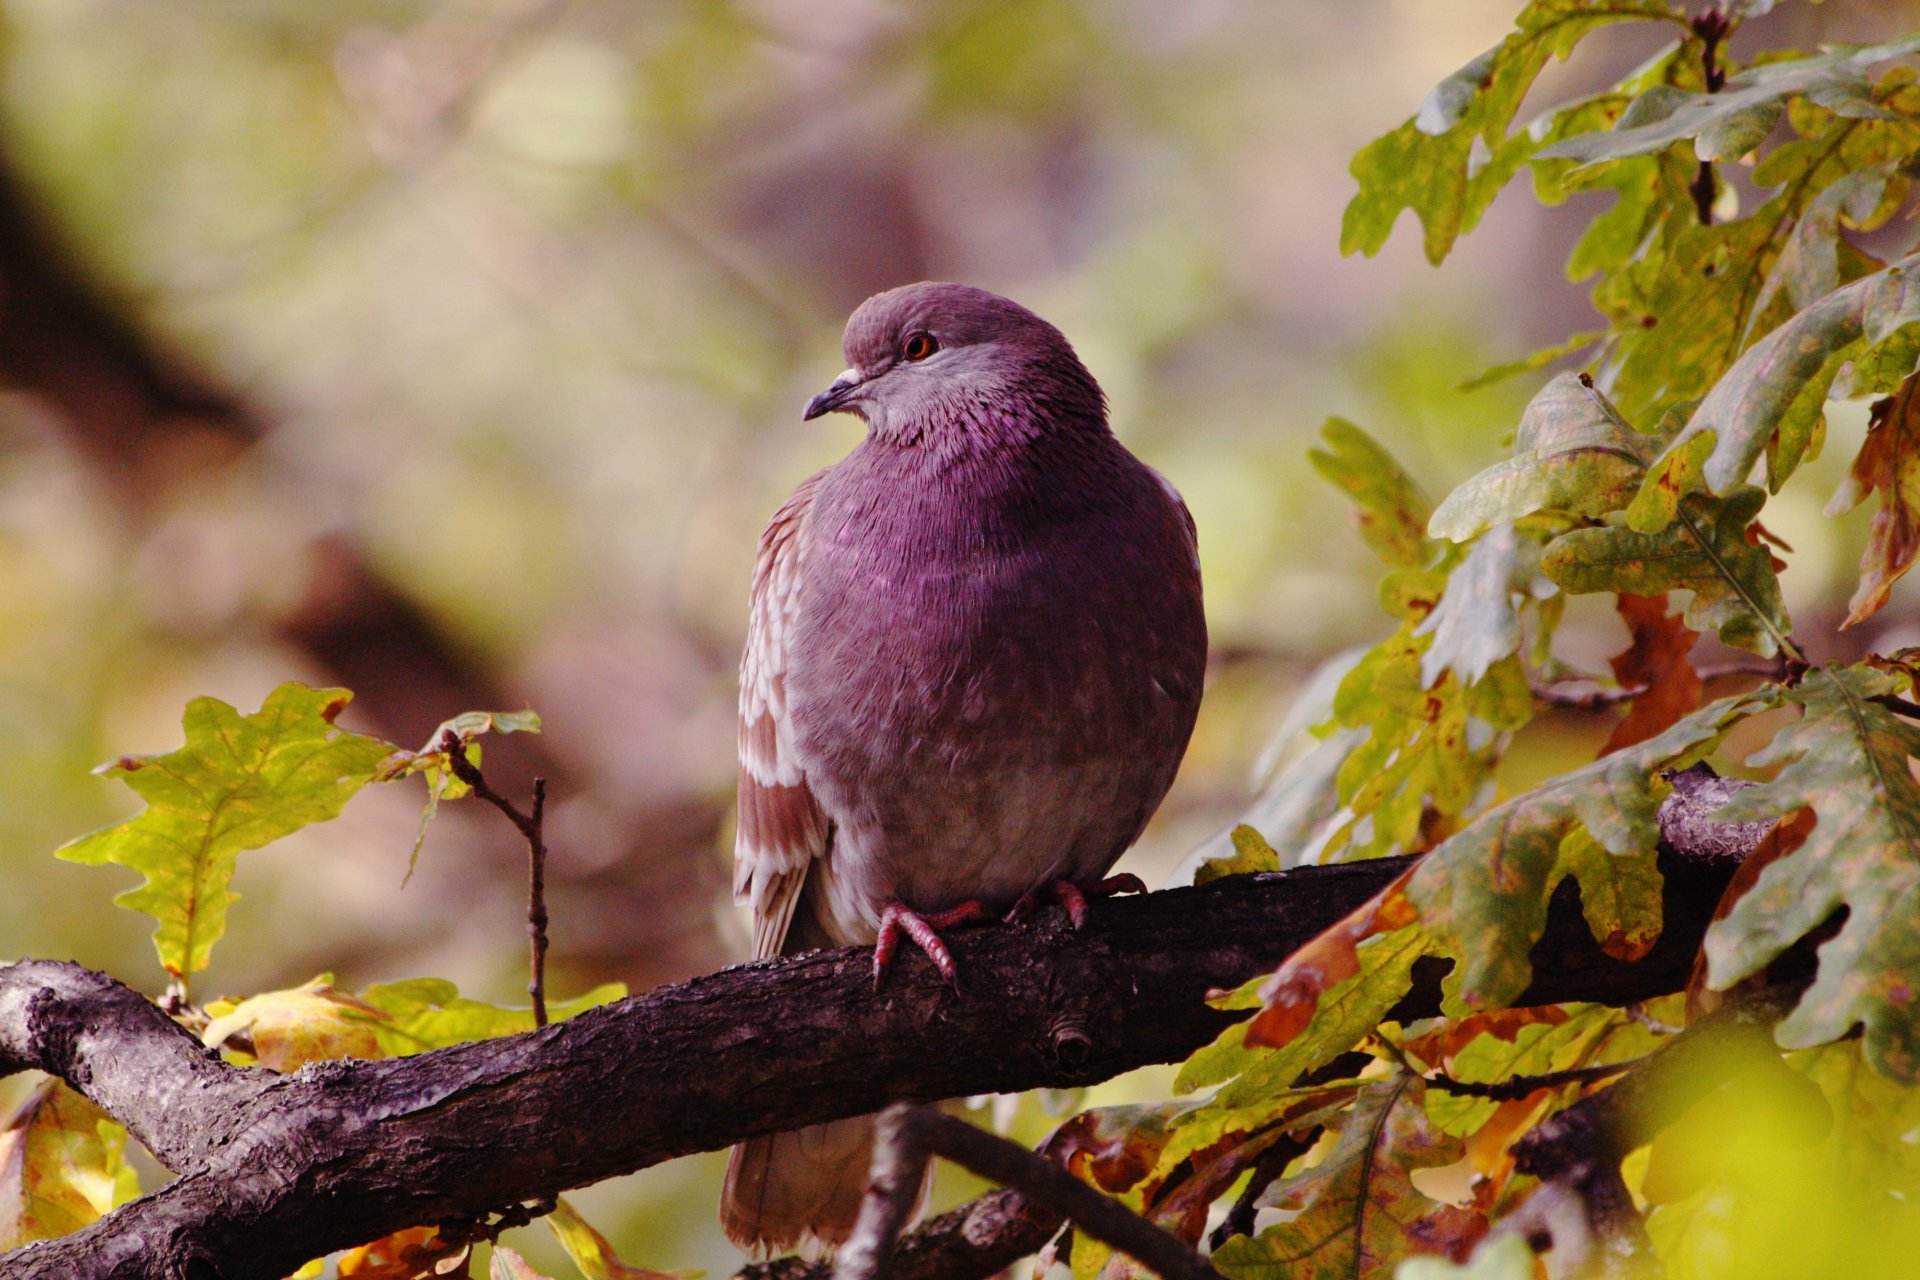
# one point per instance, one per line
(1889, 461)
(1293, 993)
(1656, 662)
(1113, 1148)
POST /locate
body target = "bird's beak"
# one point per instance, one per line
(836, 396)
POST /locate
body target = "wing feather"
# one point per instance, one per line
(781, 828)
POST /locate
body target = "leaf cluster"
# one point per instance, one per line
(1738, 292)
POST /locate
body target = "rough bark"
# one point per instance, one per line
(275, 1170)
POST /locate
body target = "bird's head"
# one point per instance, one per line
(930, 362)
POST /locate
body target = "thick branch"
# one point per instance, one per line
(693, 1067)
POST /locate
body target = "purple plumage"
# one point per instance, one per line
(973, 663)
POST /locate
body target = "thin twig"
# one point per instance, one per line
(893, 1189)
(1561, 695)
(1898, 705)
(1577, 1152)
(1712, 27)
(1272, 1163)
(1521, 1086)
(529, 825)
(1047, 1184)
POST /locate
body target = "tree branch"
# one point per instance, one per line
(1584, 1208)
(753, 1049)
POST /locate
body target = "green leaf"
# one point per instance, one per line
(1340, 1017)
(592, 1253)
(1476, 623)
(1772, 399)
(1251, 853)
(1687, 299)
(239, 782)
(62, 1166)
(1357, 1212)
(1707, 551)
(1429, 164)
(1849, 759)
(1566, 1037)
(1570, 454)
(1482, 894)
(1533, 360)
(431, 761)
(429, 1013)
(1733, 121)
(1393, 512)
(1426, 746)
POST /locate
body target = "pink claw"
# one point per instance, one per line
(897, 919)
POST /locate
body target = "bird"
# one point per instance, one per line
(975, 654)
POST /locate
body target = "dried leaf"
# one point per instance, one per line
(1655, 661)
(1889, 461)
(1782, 838)
(239, 782)
(506, 1264)
(288, 1029)
(417, 1253)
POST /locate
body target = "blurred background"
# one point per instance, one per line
(455, 353)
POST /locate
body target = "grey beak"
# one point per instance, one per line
(838, 392)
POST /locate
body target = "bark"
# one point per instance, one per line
(275, 1170)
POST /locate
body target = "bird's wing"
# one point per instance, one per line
(781, 828)
(1186, 516)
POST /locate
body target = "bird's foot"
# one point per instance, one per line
(897, 920)
(1074, 896)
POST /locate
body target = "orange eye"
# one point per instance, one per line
(919, 346)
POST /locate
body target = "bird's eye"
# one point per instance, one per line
(919, 346)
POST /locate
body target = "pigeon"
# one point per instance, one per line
(974, 657)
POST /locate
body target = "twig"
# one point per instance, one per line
(1577, 1153)
(1047, 1184)
(1560, 695)
(530, 826)
(981, 1238)
(1272, 1163)
(1521, 1086)
(893, 1188)
(1898, 705)
(907, 1135)
(1712, 27)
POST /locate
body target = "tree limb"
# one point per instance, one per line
(697, 1066)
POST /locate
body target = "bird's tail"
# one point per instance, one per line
(784, 1189)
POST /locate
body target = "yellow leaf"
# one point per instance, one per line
(591, 1252)
(311, 1023)
(61, 1166)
